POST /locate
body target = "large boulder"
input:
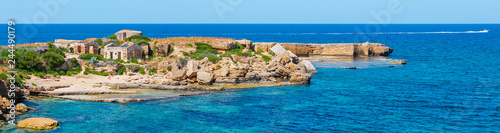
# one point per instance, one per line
(223, 45)
(21, 108)
(222, 72)
(300, 78)
(278, 49)
(237, 72)
(308, 65)
(282, 70)
(178, 74)
(205, 78)
(192, 69)
(38, 123)
(377, 49)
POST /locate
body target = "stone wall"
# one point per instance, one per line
(333, 49)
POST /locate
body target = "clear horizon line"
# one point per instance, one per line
(259, 23)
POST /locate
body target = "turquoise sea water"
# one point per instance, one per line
(450, 84)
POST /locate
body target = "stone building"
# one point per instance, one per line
(88, 47)
(123, 34)
(125, 52)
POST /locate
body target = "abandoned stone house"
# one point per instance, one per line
(88, 47)
(123, 34)
(125, 52)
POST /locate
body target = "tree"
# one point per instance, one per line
(27, 59)
(52, 59)
(50, 45)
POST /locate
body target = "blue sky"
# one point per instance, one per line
(252, 11)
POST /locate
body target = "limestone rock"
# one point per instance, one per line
(282, 70)
(38, 123)
(278, 50)
(226, 80)
(21, 108)
(237, 72)
(222, 72)
(398, 62)
(309, 66)
(263, 46)
(223, 45)
(192, 69)
(205, 78)
(178, 74)
(301, 78)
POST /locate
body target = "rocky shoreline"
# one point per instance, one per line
(284, 68)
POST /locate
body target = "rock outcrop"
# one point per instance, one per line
(38, 123)
(223, 45)
(339, 49)
(205, 78)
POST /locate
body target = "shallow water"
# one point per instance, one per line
(450, 84)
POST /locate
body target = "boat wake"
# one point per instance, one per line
(439, 32)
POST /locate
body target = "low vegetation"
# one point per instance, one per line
(138, 38)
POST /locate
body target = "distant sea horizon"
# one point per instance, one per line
(31, 33)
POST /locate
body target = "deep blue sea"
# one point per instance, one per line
(450, 84)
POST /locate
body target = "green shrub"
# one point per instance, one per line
(99, 41)
(142, 71)
(87, 71)
(112, 36)
(73, 60)
(138, 38)
(152, 71)
(50, 45)
(169, 68)
(40, 74)
(3, 76)
(134, 60)
(170, 50)
(27, 59)
(190, 45)
(122, 70)
(142, 42)
(33, 84)
(271, 53)
(89, 56)
(214, 59)
(183, 61)
(164, 71)
(102, 73)
(266, 58)
(136, 69)
(259, 52)
(53, 60)
(63, 49)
